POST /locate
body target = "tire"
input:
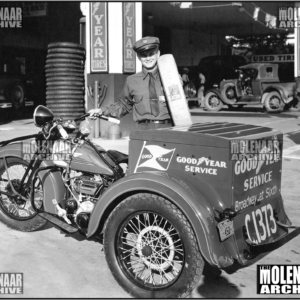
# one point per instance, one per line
(55, 66)
(185, 261)
(65, 87)
(68, 70)
(65, 55)
(65, 83)
(18, 95)
(294, 105)
(65, 97)
(11, 213)
(273, 103)
(190, 90)
(64, 74)
(66, 45)
(68, 92)
(67, 51)
(66, 78)
(228, 93)
(235, 107)
(212, 102)
(64, 61)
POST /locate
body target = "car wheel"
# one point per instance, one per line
(151, 249)
(212, 102)
(274, 103)
(190, 90)
(228, 93)
(294, 105)
(237, 107)
(18, 95)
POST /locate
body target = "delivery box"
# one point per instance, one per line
(239, 164)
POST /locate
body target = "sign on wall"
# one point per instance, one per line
(99, 41)
(128, 37)
(34, 9)
(273, 58)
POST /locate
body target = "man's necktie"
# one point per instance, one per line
(153, 96)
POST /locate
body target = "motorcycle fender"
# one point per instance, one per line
(197, 204)
(282, 92)
(52, 182)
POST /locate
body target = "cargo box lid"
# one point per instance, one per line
(207, 134)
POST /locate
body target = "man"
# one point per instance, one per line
(185, 76)
(143, 92)
(200, 93)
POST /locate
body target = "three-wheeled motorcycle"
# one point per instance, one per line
(204, 193)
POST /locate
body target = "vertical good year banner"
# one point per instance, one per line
(99, 40)
(128, 37)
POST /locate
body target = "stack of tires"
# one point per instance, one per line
(65, 80)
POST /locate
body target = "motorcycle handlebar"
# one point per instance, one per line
(109, 119)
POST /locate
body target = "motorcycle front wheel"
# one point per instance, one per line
(151, 248)
(19, 214)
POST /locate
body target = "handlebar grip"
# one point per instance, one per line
(109, 119)
(62, 132)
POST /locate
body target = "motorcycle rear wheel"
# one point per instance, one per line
(151, 248)
(19, 214)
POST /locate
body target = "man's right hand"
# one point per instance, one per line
(95, 113)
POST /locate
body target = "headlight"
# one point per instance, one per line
(42, 115)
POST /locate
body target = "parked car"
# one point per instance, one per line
(219, 67)
(257, 83)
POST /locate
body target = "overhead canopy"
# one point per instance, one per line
(215, 17)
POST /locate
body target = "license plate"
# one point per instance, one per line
(225, 229)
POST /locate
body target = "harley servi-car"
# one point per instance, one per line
(165, 215)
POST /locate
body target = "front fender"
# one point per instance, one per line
(197, 204)
(53, 186)
(223, 82)
(214, 90)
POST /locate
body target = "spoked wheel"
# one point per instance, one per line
(274, 103)
(151, 248)
(18, 96)
(14, 212)
(212, 102)
(229, 94)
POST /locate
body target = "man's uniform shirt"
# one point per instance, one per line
(135, 97)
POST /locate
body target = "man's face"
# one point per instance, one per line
(149, 58)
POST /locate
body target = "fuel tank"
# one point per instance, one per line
(85, 159)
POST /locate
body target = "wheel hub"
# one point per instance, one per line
(147, 251)
(159, 239)
(230, 93)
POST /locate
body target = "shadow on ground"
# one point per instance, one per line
(210, 288)
(294, 136)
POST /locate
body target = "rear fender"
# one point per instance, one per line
(197, 204)
(52, 182)
(282, 92)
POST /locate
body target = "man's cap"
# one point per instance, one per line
(146, 43)
(186, 69)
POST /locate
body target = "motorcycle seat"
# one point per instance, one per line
(118, 157)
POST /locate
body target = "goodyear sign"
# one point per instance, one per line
(99, 53)
(128, 37)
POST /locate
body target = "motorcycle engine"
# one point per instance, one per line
(87, 185)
